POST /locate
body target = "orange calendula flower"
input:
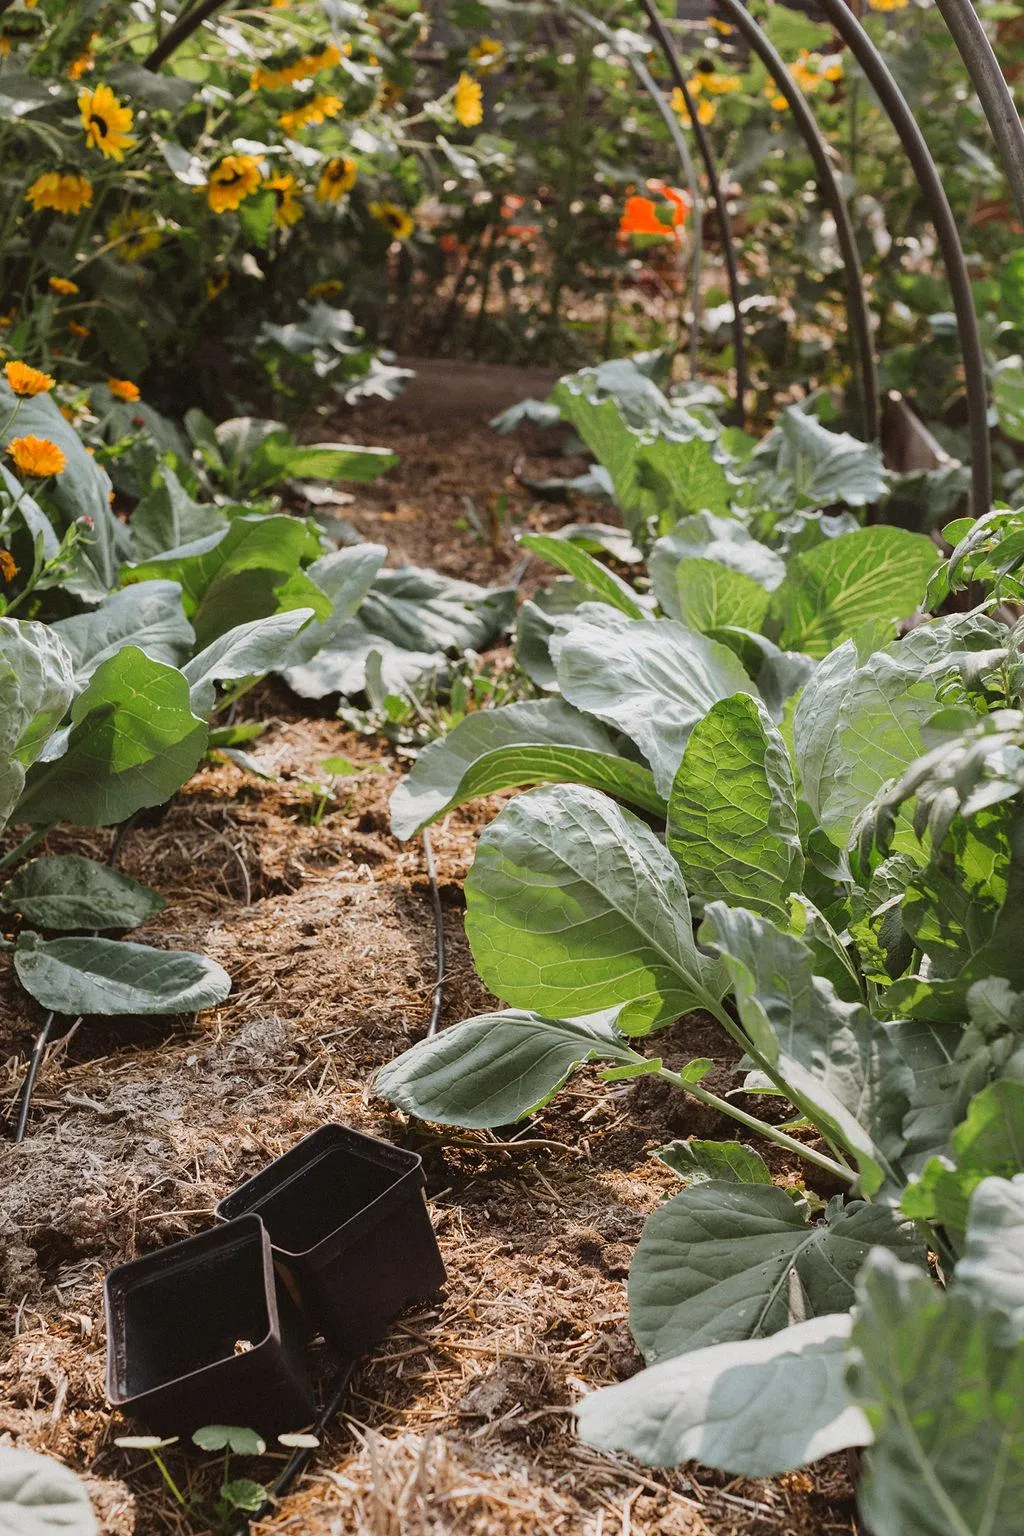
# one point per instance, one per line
(232, 181)
(8, 569)
(63, 192)
(311, 114)
(124, 389)
(62, 285)
(85, 61)
(337, 177)
(27, 381)
(468, 101)
(289, 209)
(37, 456)
(664, 217)
(723, 28)
(82, 331)
(106, 122)
(888, 5)
(396, 219)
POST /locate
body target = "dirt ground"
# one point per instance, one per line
(461, 1423)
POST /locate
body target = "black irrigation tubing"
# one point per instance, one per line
(916, 149)
(35, 1062)
(971, 39)
(182, 30)
(858, 318)
(442, 963)
(706, 153)
(301, 1458)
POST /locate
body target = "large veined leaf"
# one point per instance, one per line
(344, 576)
(36, 686)
(343, 664)
(732, 818)
(67, 890)
(841, 585)
(725, 1261)
(683, 476)
(756, 1408)
(653, 684)
(552, 611)
(26, 510)
(422, 610)
(992, 1264)
(542, 742)
(248, 650)
(41, 1497)
(704, 1162)
(601, 584)
(989, 1142)
(839, 1065)
(722, 540)
(279, 460)
(149, 616)
(496, 1068)
(109, 976)
(574, 906)
(167, 517)
(818, 468)
(133, 741)
(249, 572)
(943, 1389)
(710, 596)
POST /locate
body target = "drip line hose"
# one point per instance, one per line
(442, 963)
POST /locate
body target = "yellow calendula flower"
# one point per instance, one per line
(8, 568)
(712, 82)
(232, 181)
(396, 219)
(27, 381)
(888, 5)
(337, 177)
(63, 192)
(775, 97)
(37, 456)
(468, 101)
(289, 209)
(124, 389)
(705, 109)
(486, 55)
(62, 285)
(723, 28)
(132, 235)
(106, 122)
(311, 114)
(325, 290)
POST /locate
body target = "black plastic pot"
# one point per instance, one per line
(198, 1333)
(350, 1231)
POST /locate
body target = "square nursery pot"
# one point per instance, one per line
(350, 1229)
(197, 1333)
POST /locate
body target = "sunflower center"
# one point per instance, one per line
(100, 124)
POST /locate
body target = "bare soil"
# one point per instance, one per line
(462, 1422)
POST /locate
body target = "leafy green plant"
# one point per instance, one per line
(39, 1495)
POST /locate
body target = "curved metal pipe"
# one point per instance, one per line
(858, 318)
(916, 149)
(706, 153)
(995, 96)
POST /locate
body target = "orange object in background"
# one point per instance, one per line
(641, 215)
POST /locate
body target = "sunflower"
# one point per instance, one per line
(289, 209)
(291, 67)
(705, 109)
(337, 177)
(712, 82)
(8, 569)
(106, 122)
(216, 282)
(62, 285)
(132, 235)
(486, 55)
(37, 456)
(468, 101)
(232, 181)
(400, 223)
(24, 380)
(888, 5)
(66, 193)
(124, 389)
(311, 114)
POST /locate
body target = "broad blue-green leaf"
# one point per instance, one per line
(41, 1497)
(279, 460)
(653, 683)
(943, 1391)
(67, 890)
(344, 576)
(722, 540)
(601, 584)
(422, 610)
(574, 906)
(149, 616)
(838, 1064)
(682, 476)
(1008, 396)
(167, 517)
(701, 1162)
(134, 740)
(992, 1264)
(710, 596)
(250, 572)
(819, 467)
(248, 650)
(756, 1408)
(345, 663)
(36, 686)
(836, 589)
(732, 818)
(110, 976)
(725, 1261)
(229, 1437)
(542, 742)
(496, 1068)
(989, 1142)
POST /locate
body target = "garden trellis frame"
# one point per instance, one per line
(972, 43)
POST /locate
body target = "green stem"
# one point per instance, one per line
(169, 1480)
(27, 844)
(761, 1127)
